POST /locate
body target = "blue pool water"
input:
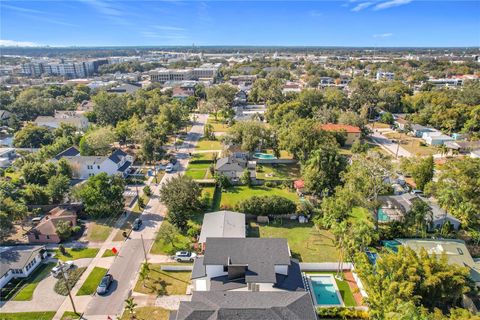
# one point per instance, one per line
(264, 156)
(324, 290)
(382, 216)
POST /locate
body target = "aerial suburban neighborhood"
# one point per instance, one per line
(196, 182)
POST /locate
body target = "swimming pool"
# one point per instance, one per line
(324, 290)
(382, 216)
(265, 156)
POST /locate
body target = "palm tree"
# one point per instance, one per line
(130, 307)
(340, 230)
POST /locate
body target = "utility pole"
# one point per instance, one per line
(143, 246)
(398, 147)
(68, 287)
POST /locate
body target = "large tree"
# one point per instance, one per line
(181, 196)
(110, 108)
(102, 195)
(97, 142)
(32, 136)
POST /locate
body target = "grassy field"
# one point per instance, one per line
(204, 144)
(218, 125)
(26, 292)
(345, 292)
(306, 242)
(43, 315)
(147, 313)
(160, 247)
(413, 144)
(278, 171)
(229, 198)
(76, 253)
(164, 282)
(198, 167)
(93, 280)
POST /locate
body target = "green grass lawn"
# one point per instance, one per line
(147, 313)
(209, 145)
(229, 198)
(218, 125)
(198, 167)
(127, 225)
(343, 287)
(108, 253)
(164, 282)
(99, 230)
(306, 242)
(196, 174)
(31, 283)
(160, 247)
(70, 315)
(43, 315)
(93, 280)
(203, 156)
(76, 253)
(281, 171)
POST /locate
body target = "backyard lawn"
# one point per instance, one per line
(147, 313)
(198, 167)
(343, 287)
(43, 315)
(93, 280)
(164, 282)
(26, 292)
(218, 125)
(204, 144)
(282, 171)
(306, 242)
(76, 253)
(160, 247)
(229, 198)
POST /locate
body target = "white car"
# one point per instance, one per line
(57, 271)
(169, 168)
(185, 256)
(416, 191)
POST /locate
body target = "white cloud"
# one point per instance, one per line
(362, 6)
(107, 9)
(13, 43)
(383, 35)
(169, 28)
(391, 4)
(315, 13)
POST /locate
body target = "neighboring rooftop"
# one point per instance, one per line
(70, 152)
(335, 127)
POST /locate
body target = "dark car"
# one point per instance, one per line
(105, 284)
(136, 224)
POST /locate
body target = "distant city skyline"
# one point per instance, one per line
(353, 23)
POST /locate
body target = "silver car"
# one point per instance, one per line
(185, 256)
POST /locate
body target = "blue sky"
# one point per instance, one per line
(294, 23)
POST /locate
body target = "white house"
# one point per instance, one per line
(68, 117)
(86, 166)
(435, 138)
(6, 157)
(19, 262)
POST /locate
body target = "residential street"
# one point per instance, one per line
(388, 145)
(125, 267)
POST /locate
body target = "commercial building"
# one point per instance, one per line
(381, 75)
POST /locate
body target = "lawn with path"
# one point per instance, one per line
(164, 282)
(26, 292)
(282, 171)
(43, 315)
(93, 280)
(76, 253)
(306, 242)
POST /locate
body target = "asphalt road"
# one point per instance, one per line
(387, 143)
(131, 255)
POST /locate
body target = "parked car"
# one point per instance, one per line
(169, 168)
(185, 256)
(57, 271)
(105, 284)
(416, 191)
(137, 224)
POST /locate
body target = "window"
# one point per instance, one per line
(48, 237)
(36, 236)
(98, 167)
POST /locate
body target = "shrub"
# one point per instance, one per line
(72, 277)
(193, 230)
(341, 313)
(76, 229)
(147, 190)
(270, 184)
(266, 205)
(62, 249)
(141, 203)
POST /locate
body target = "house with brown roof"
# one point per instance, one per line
(46, 230)
(352, 133)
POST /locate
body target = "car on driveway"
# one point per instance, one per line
(105, 284)
(137, 224)
(169, 168)
(185, 256)
(57, 271)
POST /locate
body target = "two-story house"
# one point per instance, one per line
(83, 167)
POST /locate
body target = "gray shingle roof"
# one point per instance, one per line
(17, 257)
(117, 155)
(260, 254)
(70, 152)
(231, 305)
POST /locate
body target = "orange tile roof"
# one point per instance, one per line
(340, 127)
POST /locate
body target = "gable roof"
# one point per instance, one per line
(259, 254)
(222, 224)
(117, 155)
(17, 257)
(211, 305)
(229, 164)
(48, 225)
(70, 152)
(334, 127)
